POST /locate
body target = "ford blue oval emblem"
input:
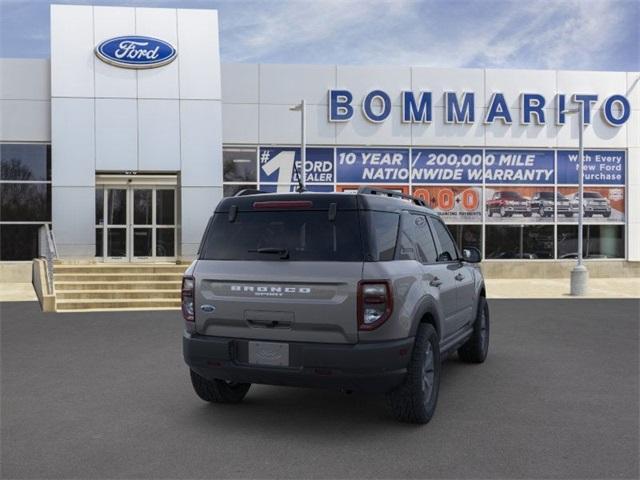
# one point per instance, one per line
(207, 308)
(134, 51)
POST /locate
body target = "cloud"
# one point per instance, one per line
(545, 34)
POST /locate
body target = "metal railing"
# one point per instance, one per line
(47, 250)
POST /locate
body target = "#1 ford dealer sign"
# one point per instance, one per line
(134, 51)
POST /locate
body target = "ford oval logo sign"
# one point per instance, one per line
(134, 51)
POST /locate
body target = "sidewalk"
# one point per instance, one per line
(559, 288)
(17, 292)
(496, 288)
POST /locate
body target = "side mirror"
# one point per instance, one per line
(471, 255)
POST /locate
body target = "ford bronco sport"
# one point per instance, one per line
(363, 292)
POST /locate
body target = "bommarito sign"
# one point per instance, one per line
(460, 108)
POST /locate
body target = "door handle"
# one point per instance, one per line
(436, 282)
(459, 277)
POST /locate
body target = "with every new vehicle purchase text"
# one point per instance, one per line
(357, 292)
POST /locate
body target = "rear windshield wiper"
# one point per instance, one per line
(283, 252)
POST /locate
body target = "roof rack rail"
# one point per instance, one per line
(392, 193)
(247, 191)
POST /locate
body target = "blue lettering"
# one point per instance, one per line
(367, 106)
(498, 108)
(561, 101)
(416, 112)
(340, 109)
(454, 113)
(532, 104)
(625, 107)
(585, 102)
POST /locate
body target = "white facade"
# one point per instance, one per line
(102, 119)
(108, 119)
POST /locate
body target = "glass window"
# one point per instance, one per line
(448, 250)
(117, 207)
(142, 242)
(598, 241)
(25, 202)
(383, 228)
(284, 235)
(424, 240)
(25, 162)
(18, 242)
(165, 207)
(239, 164)
(231, 190)
(99, 242)
(99, 206)
(519, 241)
(165, 242)
(117, 242)
(467, 235)
(142, 206)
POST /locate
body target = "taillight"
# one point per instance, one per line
(375, 303)
(188, 308)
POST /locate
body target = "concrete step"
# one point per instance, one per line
(117, 268)
(118, 285)
(117, 277)
(100, 304)
(155, 294)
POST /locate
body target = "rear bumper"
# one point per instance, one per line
(368, 367)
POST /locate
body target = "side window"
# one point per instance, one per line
(448, 250)
(424, 240)
(383, 235)
(406, 239)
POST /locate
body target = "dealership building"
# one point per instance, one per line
(126, 163)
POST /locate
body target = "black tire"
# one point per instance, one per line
(568, 215)
(606, 214)
(476, 348)
(218, 391)
(527, 214)
(415, 400)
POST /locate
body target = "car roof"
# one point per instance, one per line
(322, 201)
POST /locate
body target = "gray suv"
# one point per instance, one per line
(357, 292)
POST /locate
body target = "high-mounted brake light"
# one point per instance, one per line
(375, 303)
(188, 307)
(285, 204)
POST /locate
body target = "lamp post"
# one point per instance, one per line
(579, 273)
(303, 142)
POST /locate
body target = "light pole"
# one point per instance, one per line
(303, 142)
(580, 274)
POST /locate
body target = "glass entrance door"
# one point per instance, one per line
(136, 223)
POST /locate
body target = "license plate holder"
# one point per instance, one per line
(269, 353)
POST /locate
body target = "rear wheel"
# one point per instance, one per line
(476, 348)
(218, 391)
(415, 400)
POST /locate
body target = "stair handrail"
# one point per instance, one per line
(49, 251)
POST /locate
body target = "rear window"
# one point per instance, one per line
(299, 235)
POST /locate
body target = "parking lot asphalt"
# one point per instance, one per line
(106, 395)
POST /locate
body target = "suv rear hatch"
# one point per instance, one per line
(280, 270)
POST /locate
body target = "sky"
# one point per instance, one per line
(534, 34)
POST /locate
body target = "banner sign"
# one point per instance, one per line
(434, 165)
(277, 165)
(454, 203)
(518, 166)
(372, 165)
(600, 167)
